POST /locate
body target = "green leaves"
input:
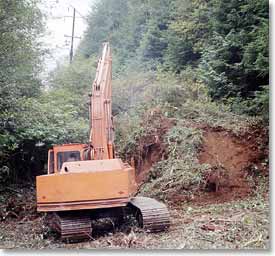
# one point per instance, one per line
(52, 121)
(225, 42)
(20, 65)
(186, 33)
(21, 24)
(235, 61)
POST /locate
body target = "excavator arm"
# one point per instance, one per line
(101, 121)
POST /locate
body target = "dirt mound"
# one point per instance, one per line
(238, 157)
(221, 149)
(230, 158)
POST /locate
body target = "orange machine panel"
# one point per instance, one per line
(69, 187)
(93, 165)
(86, 185)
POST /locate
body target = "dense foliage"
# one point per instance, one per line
(20, 51)
(225, 42)
(178, 54)
(32, 118)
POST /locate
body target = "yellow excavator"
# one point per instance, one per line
(86, 182)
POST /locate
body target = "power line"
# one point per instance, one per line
(65, 16)
(82, 16)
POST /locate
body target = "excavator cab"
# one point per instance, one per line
(65, 153)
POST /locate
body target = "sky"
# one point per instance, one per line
(58, 24)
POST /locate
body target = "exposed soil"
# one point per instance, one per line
(222, 150)
(239, 156)
(154, 153)
(151, 147)
(232, 159)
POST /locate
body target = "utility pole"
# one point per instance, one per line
(72, 40)
(72, 36)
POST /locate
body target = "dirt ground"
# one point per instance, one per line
(232, 213)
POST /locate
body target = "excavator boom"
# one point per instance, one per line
(101, 121)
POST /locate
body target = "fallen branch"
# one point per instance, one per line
(10, 189)
(253, 240)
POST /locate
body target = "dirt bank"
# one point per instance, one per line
(222, 150)
(233, 161)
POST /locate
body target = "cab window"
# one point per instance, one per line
(67, 156)
(51, 162)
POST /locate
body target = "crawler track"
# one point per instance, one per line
(152, 215)
(72, 226)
